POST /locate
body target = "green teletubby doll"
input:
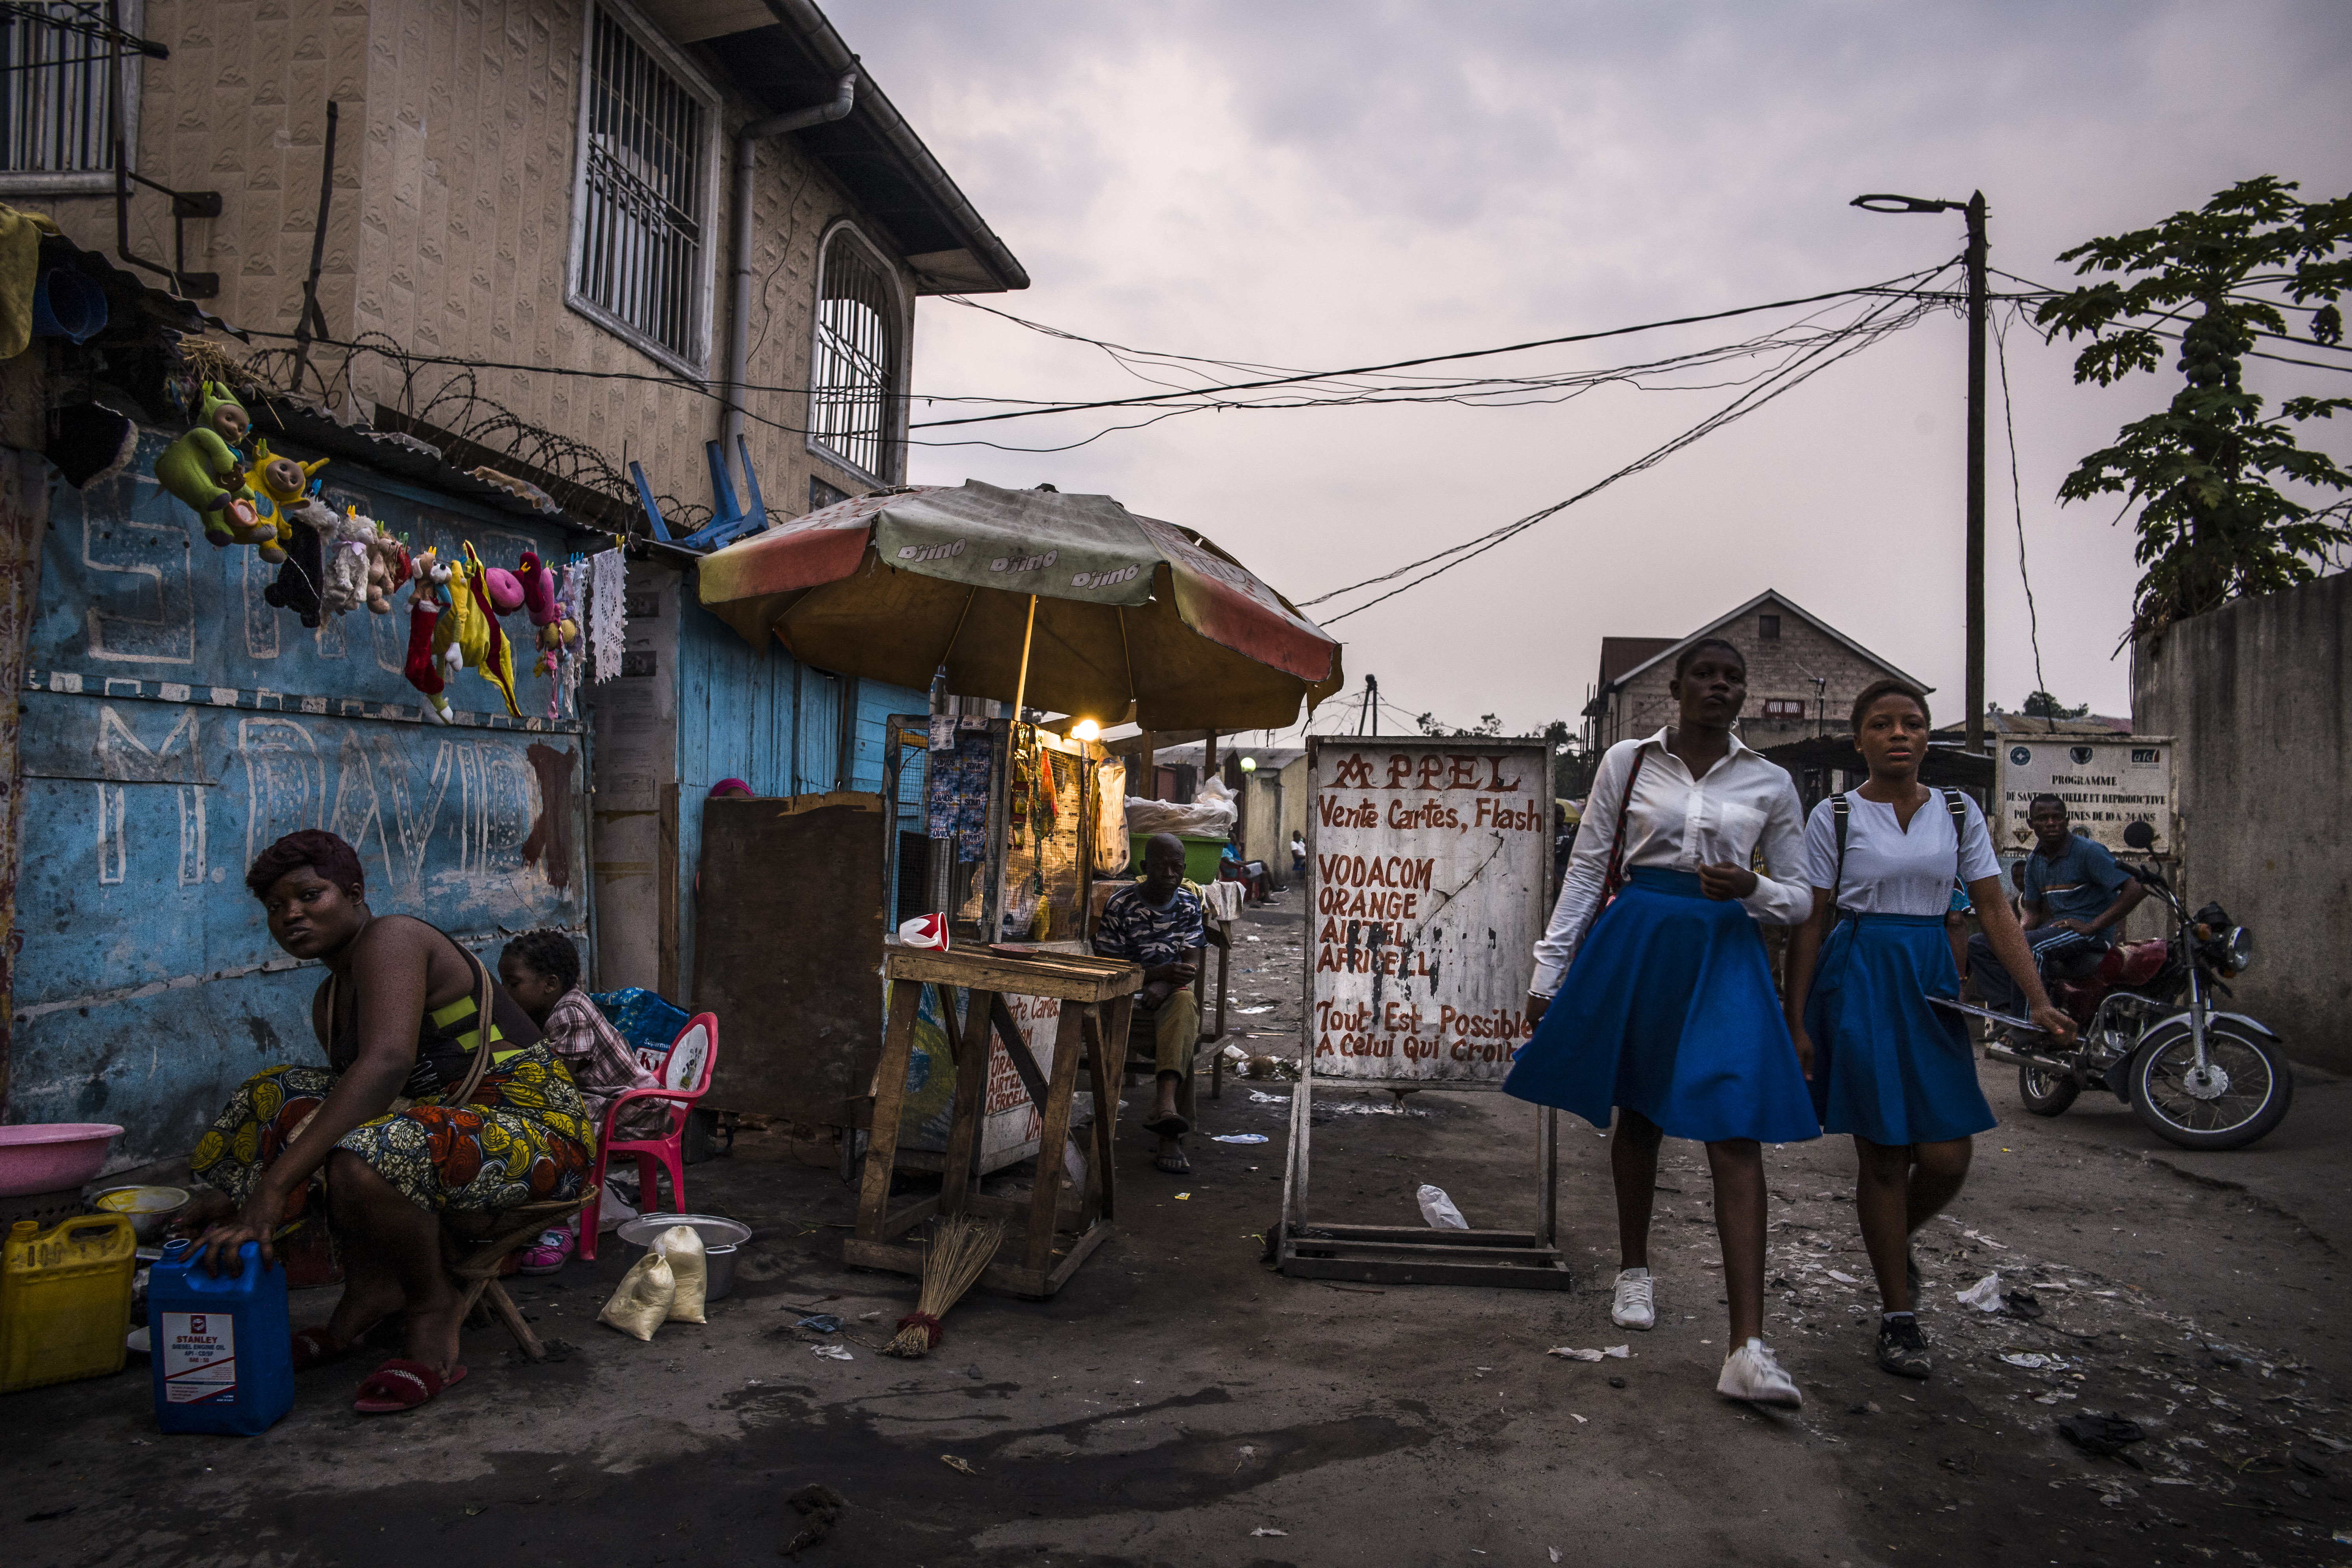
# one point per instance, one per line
(205, 468)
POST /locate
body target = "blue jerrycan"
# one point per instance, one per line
(222, 1348)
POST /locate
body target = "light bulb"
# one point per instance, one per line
(1085, 730)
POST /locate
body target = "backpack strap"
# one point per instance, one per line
(1840, 811)
(1615, 879)
(1957, 804)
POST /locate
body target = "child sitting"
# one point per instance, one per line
(541, 970)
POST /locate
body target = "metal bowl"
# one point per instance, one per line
(150, 1209)
(721, 1237)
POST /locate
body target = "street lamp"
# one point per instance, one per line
(1975, 209)
(1085, 730)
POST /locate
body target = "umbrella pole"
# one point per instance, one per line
(995, 905)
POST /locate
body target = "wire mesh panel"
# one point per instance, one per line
(56, 90)
(849, 398)
(641, 241)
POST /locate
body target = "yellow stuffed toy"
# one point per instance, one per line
(479, 639)
(278, 482)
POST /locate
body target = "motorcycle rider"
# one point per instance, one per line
(2075, 896)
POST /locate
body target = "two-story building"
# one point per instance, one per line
(586, 206)
(550, 240)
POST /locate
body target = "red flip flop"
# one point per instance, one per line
(313, 1347)
(401, 1384)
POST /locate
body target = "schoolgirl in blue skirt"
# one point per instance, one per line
(1885, 1063)
(1653, 997)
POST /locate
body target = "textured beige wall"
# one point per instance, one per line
(450, 231)
(1782, 669)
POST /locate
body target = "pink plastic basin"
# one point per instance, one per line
(47, 1156)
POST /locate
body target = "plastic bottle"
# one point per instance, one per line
(222, 1348)
(1439, 1210)
(64, 1299)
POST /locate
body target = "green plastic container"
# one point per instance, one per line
(1201, 856)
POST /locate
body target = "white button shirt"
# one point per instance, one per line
(1679, 823)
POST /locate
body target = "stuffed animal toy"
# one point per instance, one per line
(504, 588)
(427, 612)
(206, 470)
(484, 641)
(278, 482)
(556, 630)
(344, 588)
(303, 576)
(388, 568)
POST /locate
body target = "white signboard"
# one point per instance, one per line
(1427, 862)
(2108, 782)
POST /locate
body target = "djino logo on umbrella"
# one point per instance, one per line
(929, 551)
(1024, 562)
(1105, 579)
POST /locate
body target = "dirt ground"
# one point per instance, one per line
(1178, 1402)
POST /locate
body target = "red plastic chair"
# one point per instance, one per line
(685, 1078)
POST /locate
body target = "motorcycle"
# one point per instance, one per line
(2196, 1077)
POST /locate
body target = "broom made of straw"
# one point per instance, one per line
(960, 1252)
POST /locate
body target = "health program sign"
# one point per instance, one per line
(1428, 863)
(2107, 783)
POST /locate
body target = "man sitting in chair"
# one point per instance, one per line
(1159, 923)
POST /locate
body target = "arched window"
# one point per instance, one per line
(853, 397)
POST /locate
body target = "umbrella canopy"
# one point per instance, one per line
(1130, 610)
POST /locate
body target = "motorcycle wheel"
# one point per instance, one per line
(2258, 1090)
(2046, 1093)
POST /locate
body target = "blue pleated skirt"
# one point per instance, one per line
(1889, 1064)
(1669, 1010)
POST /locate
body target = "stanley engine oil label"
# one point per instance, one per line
(199, 1351)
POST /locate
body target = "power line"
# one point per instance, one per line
(1868, 329)
(1892, 285)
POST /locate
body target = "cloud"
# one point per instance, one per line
(1329, 184)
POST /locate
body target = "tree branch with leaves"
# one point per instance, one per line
(2205, 473)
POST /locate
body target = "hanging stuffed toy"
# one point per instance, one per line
(426, 613)
(484, 641)
(206, 470)
(278, 482)
(303, 576)
(539, 602)
(388, 568)
(563, 661)
(344, 586)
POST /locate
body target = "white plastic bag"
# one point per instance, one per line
(681, 1247)
(641, 1302)
(1984, 1295)
(1439, 1210)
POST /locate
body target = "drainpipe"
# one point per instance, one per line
(739, 323)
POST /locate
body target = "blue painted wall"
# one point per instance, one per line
(174, 725)
(739, 717)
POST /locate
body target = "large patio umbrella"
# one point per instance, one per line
(1064, 602)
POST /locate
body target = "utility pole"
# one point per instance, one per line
(1974, 257)
(1977, 312)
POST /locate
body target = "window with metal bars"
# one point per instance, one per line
(852, 400)
(639, 260)
(59, 91)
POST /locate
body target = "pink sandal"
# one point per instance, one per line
(314, 1347)
(401, 1384)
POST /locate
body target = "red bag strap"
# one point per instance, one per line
(1615, 879)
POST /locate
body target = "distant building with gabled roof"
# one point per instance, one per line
(1803, 675)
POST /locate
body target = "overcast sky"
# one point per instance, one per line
(1329, 185)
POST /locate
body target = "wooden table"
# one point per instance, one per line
(1097, 997)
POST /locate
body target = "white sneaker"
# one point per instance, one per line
(1751, 1373)
(1632, 1307)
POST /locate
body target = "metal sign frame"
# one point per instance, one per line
(1409, 1255)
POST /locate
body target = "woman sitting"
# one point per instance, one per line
(541, 970)
(413, 1114)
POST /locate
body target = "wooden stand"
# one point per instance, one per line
(1097, 997)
